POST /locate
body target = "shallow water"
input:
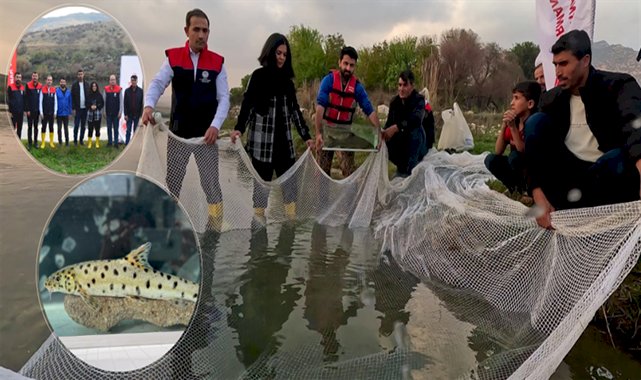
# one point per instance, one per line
(307, 293)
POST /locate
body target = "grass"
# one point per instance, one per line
(75, 159)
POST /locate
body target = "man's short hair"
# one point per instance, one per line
(196, 12)
(407, 76)
(35, 72)
(576, 42)
(17, 73)
(134, 77)
(80, 71)
(349, 51)
(530, 90)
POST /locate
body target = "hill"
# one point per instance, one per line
(95, 47)
(68, 20)
(616, 58)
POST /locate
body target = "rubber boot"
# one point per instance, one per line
(215, 219)
(89, 142)
(42, 146)
(51, 144)
(290, 210)
(97, 143)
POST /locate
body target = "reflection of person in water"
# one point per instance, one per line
(393, 288)
(325, 289)
(266, 303)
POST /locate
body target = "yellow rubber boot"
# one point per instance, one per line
(89, 142)
(215, 219)
(290, 210)
(97, 143)
(42, 145)
(51, 144)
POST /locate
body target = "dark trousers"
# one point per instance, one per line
(93, 126)
(112, 130)
(406, 150)
(569, 182)
(79, 123)
(32, 130)
(16, 120)
(345, 161)
(132, 123)
(510, 169)
(178, 154)
(281, 162)
(47, 120)
(63, 127)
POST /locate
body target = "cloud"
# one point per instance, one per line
(239, 27)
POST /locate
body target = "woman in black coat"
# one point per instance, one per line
(269, 108)
(94, 113)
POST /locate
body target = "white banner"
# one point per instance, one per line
(129, 65)
(554, 18)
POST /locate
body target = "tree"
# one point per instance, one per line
(525, 54)
(460, 52)
(332, 43)
(308, 56)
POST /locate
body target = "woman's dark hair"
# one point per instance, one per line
(530, 89)
(268, 54)
(91, 86)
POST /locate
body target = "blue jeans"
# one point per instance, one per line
(112, 130)
(613, 178)
(79, 123)
(131, 122)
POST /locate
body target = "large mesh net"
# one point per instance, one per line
(519, 296)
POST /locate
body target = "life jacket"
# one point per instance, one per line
(112, 100)
(32, 95)
(194, 102)
(48, 100)
(342, 101)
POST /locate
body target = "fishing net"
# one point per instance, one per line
(520, 295)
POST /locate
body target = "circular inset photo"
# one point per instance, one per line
(119, 271)
(75, 90)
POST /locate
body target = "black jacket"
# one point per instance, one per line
(75, 95)
(406, 115)
(133, 102)
(612, 104)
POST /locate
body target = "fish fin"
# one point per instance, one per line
(139, 256)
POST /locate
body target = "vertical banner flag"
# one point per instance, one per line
(129, 65)
(13, 67)
(554, 18)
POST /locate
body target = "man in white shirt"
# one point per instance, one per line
(200, 102)
(584, 148)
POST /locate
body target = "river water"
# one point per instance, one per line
(286, 286)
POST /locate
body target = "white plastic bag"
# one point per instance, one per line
(456, 134)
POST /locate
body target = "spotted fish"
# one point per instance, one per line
(131, 276)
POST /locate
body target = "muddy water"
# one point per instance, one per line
(334, 299)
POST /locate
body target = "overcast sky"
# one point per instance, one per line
(240, 27)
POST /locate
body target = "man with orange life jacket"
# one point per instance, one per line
(112, 110)
(200, 102)
(15, 98)
(32, 103)
(48, 106)
(336, 102)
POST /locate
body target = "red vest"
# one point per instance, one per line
(116, 89)
(48, 89)
(14, 87)
(342, 101)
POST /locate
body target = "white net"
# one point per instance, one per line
(527, 293)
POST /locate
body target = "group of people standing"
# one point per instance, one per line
(577, 144)
(83, 101)
(200, 104)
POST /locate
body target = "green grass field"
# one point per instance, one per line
(75, 159)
